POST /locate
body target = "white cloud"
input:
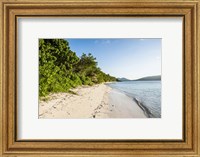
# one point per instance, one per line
(96, 41)
(102, 41)
(107, 41)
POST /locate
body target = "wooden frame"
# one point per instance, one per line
(12, 9)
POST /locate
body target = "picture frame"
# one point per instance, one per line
(11, 10)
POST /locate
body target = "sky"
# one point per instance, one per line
(129, 58)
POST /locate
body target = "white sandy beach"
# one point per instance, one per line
(98, 101)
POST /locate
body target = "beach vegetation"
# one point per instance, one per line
(60, 69)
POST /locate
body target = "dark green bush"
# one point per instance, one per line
(60, 69)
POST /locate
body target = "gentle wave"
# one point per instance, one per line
(147, 94)
(144, 108)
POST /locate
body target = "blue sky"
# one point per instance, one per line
(129, 58)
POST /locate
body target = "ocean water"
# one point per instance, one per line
(146, 93)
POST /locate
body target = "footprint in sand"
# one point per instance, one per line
(68, 113)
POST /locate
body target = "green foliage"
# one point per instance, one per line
(60, 69)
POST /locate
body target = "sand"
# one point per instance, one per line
(98, 101)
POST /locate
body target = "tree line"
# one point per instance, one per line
(60, 69)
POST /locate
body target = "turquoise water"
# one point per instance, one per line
(147, 93)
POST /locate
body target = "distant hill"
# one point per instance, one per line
(123, 79)
(150, 78)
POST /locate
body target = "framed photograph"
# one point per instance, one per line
(99, 78)
(103, 84)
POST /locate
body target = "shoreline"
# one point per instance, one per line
(144, 108)
(98, 101)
